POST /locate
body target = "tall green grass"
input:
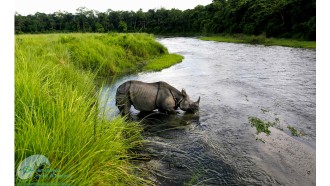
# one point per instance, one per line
(56, 110)
(104, 54)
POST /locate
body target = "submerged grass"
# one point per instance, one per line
(261, 39)
(295, 132)
(56, 110)
(262, 126)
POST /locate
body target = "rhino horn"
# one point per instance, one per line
(199, 98)
(184, 93)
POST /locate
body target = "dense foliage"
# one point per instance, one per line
(57, 105)
(275, 18)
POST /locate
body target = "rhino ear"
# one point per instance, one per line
(199, 98)
(184, 93)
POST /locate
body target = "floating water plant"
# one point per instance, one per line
(261, 126)
(294, 131)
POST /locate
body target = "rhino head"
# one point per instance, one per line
(187, 105)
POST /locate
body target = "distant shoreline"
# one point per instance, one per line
(261, 39)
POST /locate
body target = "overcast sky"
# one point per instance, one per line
(26, 7)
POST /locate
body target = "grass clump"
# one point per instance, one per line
(260, 125)
(294, 131)
(261, 39)
(56, 110)
(162, 62)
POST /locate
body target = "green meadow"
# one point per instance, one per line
(261, 39)
(56, 104)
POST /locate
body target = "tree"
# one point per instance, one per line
(122, 26)
(275, 18)
(99, 27)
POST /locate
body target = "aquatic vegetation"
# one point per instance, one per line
(263, 126)
(277, 120)
(294, 131)
(260, 125)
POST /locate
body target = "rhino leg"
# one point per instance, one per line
(161, 110)
(170, 111)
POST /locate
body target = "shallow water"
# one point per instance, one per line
(235, 81)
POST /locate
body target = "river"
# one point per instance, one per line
(235, 82)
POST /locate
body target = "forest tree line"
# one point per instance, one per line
(274, 18)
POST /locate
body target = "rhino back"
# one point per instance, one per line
(143, 95)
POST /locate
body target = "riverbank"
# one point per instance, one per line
(56, 105)
(261, 39)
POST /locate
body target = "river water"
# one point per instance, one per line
(235, 82)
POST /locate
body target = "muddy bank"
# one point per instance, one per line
(292, 161)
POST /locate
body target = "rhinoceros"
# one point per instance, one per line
(150, 96)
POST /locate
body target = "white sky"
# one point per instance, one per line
(25, 7)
